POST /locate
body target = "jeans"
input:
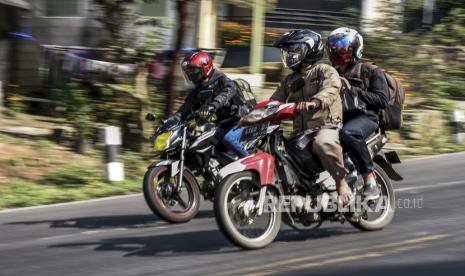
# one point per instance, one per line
(353, 136)
(232, 140)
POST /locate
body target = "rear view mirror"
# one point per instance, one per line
(150, 117)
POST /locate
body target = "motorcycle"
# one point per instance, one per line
(287, 182)
(193, 150)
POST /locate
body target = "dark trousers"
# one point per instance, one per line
(353, 135)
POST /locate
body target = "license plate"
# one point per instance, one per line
(255, 131)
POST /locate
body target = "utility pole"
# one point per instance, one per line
(258, 34)
(207, 24)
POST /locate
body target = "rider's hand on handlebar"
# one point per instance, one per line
(306, 106)
(206, 111)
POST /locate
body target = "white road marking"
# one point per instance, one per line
(431, 186)
(91, 232)
(56, 237)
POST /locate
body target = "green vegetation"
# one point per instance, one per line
(35, 173)
(21, 193)
(429, 61)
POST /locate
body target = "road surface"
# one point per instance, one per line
(120, 236)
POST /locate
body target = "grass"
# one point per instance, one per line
(70, 182)
(22, 193)
(38, 172)
(415, 149)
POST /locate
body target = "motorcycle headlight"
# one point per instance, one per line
(162, 141)
(257, 115)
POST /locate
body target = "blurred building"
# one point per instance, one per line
(10, 11)
(26, 26)
(29, 27)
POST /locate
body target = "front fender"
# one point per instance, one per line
(261, 162)
(174, 164)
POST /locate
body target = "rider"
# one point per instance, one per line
(317, 98)
(345, 47)
(213, 92)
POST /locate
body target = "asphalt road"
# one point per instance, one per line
(120, 236)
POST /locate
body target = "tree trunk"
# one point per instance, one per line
(173, 74)
(142, 94)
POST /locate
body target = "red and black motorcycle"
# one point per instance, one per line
(287, 182)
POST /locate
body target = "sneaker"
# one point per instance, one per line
(371, 191)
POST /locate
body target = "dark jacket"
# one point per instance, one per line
(225, 97)
(321, 82)
(370, 85)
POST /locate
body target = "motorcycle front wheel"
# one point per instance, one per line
(236, 212)
(166, 200)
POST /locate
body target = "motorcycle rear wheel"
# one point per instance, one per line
(388, 196)
(162, 197)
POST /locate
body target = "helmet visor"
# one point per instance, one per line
(339, 47)
(339, 50)
(193, 74)
(292, 55)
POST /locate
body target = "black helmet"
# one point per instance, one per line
(299, 46)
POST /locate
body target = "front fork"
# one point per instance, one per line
(261, 200)
(181, 158)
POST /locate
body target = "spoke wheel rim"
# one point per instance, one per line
(238, 202)
(385, 196)
(184, 199)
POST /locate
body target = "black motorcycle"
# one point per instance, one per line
(190, 147)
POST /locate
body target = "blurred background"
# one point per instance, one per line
(68, 68)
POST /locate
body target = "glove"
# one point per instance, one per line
(306, 106)
(206, 110)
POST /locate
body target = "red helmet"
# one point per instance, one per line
(197, 66)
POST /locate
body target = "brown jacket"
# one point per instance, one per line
(322, 82)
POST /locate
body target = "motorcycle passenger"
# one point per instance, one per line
(213, 92)
(345, 47)
(317, 98)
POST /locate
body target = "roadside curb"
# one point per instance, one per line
(434, 156)
(102, 199)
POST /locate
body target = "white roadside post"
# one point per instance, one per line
(114, 168)
(458, 120)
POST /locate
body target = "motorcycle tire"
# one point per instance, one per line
(378, 224)
(159, 207)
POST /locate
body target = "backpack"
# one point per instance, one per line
(391, 116)
(246, 93)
